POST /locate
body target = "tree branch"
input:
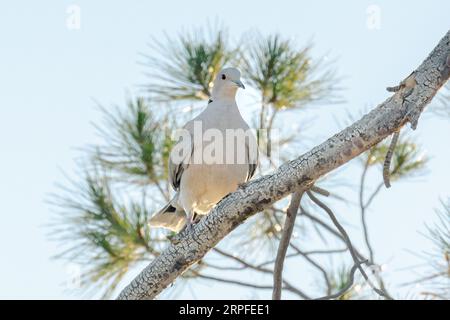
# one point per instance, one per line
(295, 175)
(289, 223)
(315, 264)
(363, 210)
(330, 230)
(388, 159)
(231, 281)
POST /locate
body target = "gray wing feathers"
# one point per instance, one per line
(177, 168)
(175, 173)
(251, 171)
(252, 158)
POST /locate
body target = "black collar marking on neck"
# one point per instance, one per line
(210, 100)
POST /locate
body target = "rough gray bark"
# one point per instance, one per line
(406, 105)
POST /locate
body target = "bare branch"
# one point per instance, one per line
(321, 191)
(373, 195)
(363, 207)
(347, 286)
(329, 229)
(388, 159)
(315, 264)
(289, 223)
(304, 254)
(242, 261)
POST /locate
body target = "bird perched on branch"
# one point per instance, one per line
(216, 152)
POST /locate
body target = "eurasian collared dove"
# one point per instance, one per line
(205, 174)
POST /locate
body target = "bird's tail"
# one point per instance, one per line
(170, 217)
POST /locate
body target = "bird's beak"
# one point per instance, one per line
(239, 83)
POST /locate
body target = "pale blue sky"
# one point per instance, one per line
(50, 75)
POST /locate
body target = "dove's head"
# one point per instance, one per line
(227, 82)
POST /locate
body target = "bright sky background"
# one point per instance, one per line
(50, 76)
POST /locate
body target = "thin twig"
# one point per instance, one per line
(364, 205)
(263, 264)
(321, 223)
(321, 191)
(315, 264)
(299, 252)
(291, 214)
(308, 259)
(348, 242)
(347, 286)
(328, 228)
(388, 159)
(269, 132)
(328, 251)
(305, 253)
(363, 210)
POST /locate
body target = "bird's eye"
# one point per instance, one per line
(224, 77)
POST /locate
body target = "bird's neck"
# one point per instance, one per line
(223, 105)
(223, 100)
(226, 94)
